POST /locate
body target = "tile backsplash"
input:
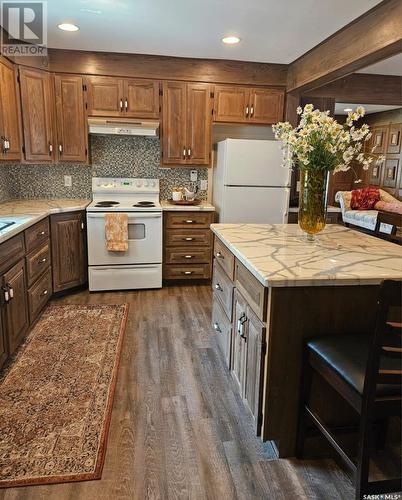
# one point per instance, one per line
(112, 156)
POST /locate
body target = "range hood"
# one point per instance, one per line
(127, 126)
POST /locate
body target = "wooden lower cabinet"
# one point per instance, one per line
(223, 328)
(15, 310)
(68, 240)
(187, 252)
(3, 345)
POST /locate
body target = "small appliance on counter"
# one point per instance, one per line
(141, 265)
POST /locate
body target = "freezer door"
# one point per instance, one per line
(254, 163)
(253, 205)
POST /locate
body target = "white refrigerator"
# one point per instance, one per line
(250, 184)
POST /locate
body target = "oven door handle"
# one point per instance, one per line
(130, 216)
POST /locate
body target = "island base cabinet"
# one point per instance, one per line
(223, 329)
(16, 305)
(68, 239)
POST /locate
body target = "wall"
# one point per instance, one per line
(112, 156)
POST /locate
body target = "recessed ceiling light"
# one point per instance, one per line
(68, 27)
(231, 40)
(348, 110)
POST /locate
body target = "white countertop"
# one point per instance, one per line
(27, 212)
(202, 207)
(280, 255)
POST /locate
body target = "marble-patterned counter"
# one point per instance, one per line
(202, 207)
(26, 212)
(278, 255)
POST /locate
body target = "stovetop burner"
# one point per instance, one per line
(107, 203)
(144, 204)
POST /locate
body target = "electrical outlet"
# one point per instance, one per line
(204, 184)
(193, 175)
(68, 181)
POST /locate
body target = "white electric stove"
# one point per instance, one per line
(141, 265)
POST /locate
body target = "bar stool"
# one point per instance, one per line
(366, 371)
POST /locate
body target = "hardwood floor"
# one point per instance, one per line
(179, 429)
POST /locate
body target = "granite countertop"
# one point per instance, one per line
(26, 212)
(279, 255)
(202, 207)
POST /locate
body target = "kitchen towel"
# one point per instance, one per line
(116, 231)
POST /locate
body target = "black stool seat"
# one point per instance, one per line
(348, 354)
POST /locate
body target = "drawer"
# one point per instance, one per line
(223, 289)
(223, 329)
(225, 257)
(251, 289)
(39, 295)
(188, 237)
(37, 261)
(180, 272)
(37, 234)
(11, 251)
(179, 220)
(187, 256)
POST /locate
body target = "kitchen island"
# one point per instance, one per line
(272, 290)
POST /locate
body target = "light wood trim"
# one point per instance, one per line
(374, 36)
(251, 289)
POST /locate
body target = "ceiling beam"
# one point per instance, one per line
(362, 88)
(372, 37)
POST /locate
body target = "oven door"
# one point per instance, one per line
(144, 240)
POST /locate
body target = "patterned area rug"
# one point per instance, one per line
(56, 397)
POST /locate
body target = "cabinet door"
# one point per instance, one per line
(104, 96)
(254, 367)
(141, 98)
(37, 115)
(10, 112)
(266, 105)
(3, 345)
(198, 141)
(174, 149)
(231, 104)
(239, 342)
(69, 260)
(71, 124)
(16, 308)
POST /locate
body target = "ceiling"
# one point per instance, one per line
(271, 30)
(370, 108)
(390, 66)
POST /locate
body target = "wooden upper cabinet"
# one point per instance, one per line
(141, 98)
(37, 115)
(198, 130)
(248, 105)
(174, 149)
(71, 123)
(10, 142)
(186, 124)
(104, 96)
(230, 104)
(69, 262)
(117, 97)
(266, 105)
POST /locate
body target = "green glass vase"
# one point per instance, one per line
(313, 201)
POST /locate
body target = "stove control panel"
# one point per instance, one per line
(124, 185)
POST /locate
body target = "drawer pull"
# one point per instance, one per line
(219, 255)
(41, 233)
(10, 290)
(6, 294)
(188, 239)
(240, 323)
(188, 256)
(42, 261)
(187, 272)
(44, 293)
(218, 287)
(217, 328)
(189, 221)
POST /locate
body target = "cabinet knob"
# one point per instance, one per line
(217, 328)
(218, 287)
(188, 256)
(187, 272)
(189, 221)
(42, 261)
(188, 239)
(219, 255)
(41, 233)
(45, 292)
